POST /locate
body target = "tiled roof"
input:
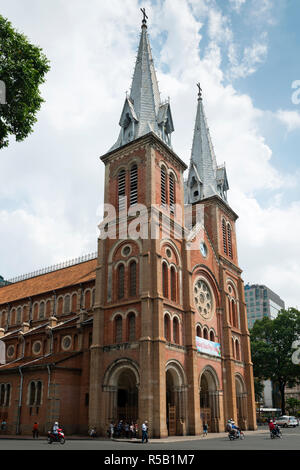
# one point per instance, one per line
(55, 280)
(43, 360)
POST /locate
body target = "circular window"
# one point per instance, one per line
(169, 253)
(66, 342)
(203, 299)
(126, 250)
(10, 351)
(203, 249)
(36, 348)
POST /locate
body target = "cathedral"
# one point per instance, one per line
(152, 327)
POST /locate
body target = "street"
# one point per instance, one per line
(253, 441)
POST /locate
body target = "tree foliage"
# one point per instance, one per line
(272, 350)
(23, 67)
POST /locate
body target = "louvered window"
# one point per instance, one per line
(132, 279)
(163, 187)
(134, 185)
(122, 190)
(172, 193)
(229, 237)
(121, 281)
(224, 236)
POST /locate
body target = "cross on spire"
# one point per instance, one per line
(200, 91)
(145, 17)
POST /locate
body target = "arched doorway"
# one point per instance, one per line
(175, 399)
(241, 402)
(121, 386)
(127, 397)
(209, 400)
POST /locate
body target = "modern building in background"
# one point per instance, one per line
(261, 302)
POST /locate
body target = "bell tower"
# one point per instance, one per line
(143, 188)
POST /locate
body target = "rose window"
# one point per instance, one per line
(203, 299)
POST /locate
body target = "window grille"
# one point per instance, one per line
(134, 185)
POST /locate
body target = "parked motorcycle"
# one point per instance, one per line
(239, 435)
(59, 437)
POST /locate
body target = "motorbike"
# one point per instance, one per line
(239, 435)
(59, 437)
(275, 433)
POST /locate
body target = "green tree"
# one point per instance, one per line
(23, 67)
(293, 405)
(271, 349)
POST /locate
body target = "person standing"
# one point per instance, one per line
(145, 432)
(205, 429)
(35, 431)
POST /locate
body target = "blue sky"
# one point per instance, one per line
(244, 53)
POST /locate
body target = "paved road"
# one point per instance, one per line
(253, 441)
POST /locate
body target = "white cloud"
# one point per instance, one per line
(291, 119)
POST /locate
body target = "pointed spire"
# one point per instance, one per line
(143, 111)
(205, 177)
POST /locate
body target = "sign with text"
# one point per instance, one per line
(205, 346)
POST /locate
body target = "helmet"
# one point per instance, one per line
(56, 423)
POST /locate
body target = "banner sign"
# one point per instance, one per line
(208, 347)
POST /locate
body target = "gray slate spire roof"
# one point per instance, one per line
(205, 178)
(143, 111)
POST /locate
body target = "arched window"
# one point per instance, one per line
(122, 190)
(67, 304)
(131, 327)
(48, 308)
(233, 347)
(118, 329)
(212, 336)
(31, 393)
(42, 310)
(198, 331)
(2, 394)
(132, 279)
(234, 314)
(38, 393)
(133, 185)
(205, 333)
(74, 303)
(172, 193)
(175, 331)
(87, 299)
(163, 177)
(19, 315)
(165, 280)
(60, 305)
(173, 284)
(121, 279)
(167, 328)
(224, 236)
(237, 350)
(229, 239)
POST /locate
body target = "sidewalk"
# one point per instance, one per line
(221, 435)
